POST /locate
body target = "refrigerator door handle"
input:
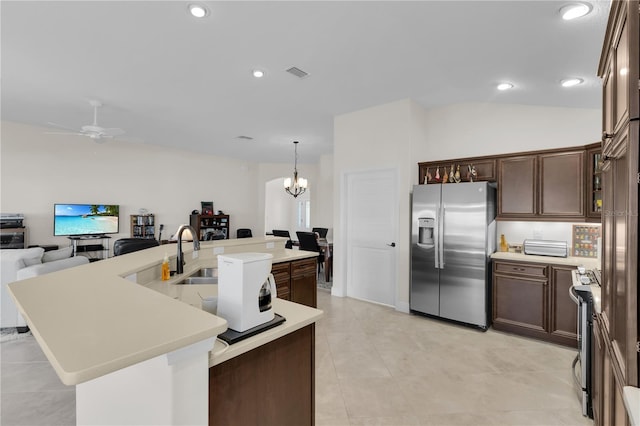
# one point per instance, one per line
(436, 240)
(441, 242)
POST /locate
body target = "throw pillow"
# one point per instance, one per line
(32, 256)
(63, 253)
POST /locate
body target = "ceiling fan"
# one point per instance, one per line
(94, 131)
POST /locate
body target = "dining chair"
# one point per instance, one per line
(243, 233)
(283, 233)
(322, 232)
(308, 241)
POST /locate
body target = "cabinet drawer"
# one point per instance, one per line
(301, 267)
(521, 269)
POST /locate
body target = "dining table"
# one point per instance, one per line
(326, 247)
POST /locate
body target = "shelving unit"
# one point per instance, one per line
(214, 227)
(594, 157)
(143, 226)
(95, 247)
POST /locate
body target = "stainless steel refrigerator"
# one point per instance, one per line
(452, 236)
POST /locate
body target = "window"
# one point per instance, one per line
(304, 214)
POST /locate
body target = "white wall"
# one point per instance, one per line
(374, 138)
(402, 133)
(39, 170)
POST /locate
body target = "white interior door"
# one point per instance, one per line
(371, 231)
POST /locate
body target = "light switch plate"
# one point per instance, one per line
(270, 245)
(218, 250)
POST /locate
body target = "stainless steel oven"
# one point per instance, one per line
(583, 296)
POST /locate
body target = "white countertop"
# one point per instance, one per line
(587, 262)
(90, 320)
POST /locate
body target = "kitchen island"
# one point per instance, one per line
(111, 325)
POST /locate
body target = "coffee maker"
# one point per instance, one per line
(246, 289)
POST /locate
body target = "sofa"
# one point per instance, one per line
(20, 264)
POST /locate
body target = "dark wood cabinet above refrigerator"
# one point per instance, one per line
(549, 185)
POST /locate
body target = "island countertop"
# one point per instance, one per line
(92, 319)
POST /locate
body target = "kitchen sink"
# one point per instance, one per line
(202, 276)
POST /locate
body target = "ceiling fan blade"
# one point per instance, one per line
(113, 131)
(60, 126)
(63, 133)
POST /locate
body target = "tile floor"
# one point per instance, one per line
(374, 366)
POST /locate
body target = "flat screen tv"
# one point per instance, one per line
(85, 219)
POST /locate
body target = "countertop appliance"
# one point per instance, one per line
(246, 289)
(581, 292)
(546, 248)
(452, 236)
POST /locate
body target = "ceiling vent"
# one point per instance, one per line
(246, 138)
(297, 72)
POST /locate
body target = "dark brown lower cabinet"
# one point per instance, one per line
(273, 384)
(532, 299)
(304, 282)
(297, 281)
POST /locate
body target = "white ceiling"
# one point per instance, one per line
(170, 79)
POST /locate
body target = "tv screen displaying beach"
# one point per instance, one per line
(85, 219)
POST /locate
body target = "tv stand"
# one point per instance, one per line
(92, 251)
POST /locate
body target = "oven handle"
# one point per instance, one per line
(573, 295)
(576, 379)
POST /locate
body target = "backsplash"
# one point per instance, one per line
(517, 232)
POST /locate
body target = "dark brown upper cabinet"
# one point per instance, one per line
(562, 184)
(517, 186)
(547, 185)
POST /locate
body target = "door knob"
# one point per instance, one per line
(392, 245)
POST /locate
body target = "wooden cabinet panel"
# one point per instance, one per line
(273, 384)
(517, 186)
(281, 273)
(621, 67)
(297, 281)
(520, 303)
(530, 269)
(563, 323)
(302, 267)
(597, 360)
(562, 188)
(304, 282)
(533, 300)
(304, 289)
(620, 292)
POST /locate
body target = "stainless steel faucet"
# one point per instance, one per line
(196, 246)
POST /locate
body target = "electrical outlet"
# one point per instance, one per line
(537, 233)
(218, 250)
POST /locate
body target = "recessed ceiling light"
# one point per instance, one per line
(258, 73)
(505, 86)
(198, 11)
(574, 10)
(570, 82)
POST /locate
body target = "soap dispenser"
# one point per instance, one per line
(166, 273)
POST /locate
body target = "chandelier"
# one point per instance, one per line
(299, 184)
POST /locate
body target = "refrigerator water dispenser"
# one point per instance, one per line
(425, 232)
